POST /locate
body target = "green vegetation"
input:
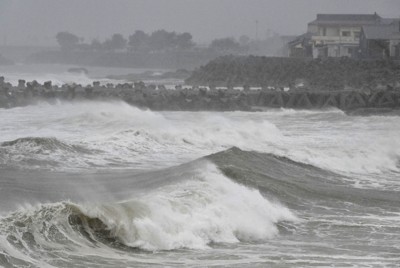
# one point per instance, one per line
(159, 49)
(140, 41)
(67, 41)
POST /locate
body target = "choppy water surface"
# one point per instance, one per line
(104, 184)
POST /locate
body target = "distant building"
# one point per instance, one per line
(381, 41)
(338, 35)
(301, 46)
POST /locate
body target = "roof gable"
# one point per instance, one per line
(346, 19)
(381, 32)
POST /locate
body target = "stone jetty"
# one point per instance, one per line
(199, 98)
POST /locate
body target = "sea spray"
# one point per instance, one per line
(119, 136)
(202, 210)
(208, 208)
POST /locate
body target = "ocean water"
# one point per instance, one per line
(105, 184)
(59, 74)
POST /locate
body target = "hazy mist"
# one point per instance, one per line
(36, 22)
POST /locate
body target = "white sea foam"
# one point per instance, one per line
(208, 208)
(195, 213)
(124, 136)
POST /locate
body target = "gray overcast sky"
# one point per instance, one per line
(35, 22)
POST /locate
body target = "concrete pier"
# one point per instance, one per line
(197, 98)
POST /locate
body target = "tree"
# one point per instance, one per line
(96, 45)
(138, 41)
(67, 41)
(162, 40)
(116, 42)
(184, 41)
(228, 45)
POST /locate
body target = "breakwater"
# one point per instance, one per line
(331, 74)
(197, 98)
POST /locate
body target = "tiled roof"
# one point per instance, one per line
(346, 19)
(300, 39)
(382, 32)
(389, 21)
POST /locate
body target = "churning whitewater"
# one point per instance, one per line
(105, 184)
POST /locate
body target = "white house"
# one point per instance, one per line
(338, 35)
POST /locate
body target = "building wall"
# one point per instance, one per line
(336, 50)
(312, 28)
(393, 48)
(338, 33)
(345, 40)
(378, 49)
(329, 31)
(363, 45)
(336, 41)
(297, 52)
(353, 32)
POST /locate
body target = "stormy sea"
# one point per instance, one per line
(106, 184)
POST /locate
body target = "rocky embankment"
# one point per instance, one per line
(201, 98)
(307, 74)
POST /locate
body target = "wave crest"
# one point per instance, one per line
(42, 144)
(42, 152)
(208, 208)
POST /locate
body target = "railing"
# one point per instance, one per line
(336, 39)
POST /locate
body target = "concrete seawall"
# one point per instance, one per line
(196, 99)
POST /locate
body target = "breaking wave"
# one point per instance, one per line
(39, 145)
(231, 197)
(117, 135)
(42, 152)
(196, 213)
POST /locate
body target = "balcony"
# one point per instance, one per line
(335, 39)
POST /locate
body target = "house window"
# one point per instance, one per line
(346, 33)
(357, 34)
(324, 31)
